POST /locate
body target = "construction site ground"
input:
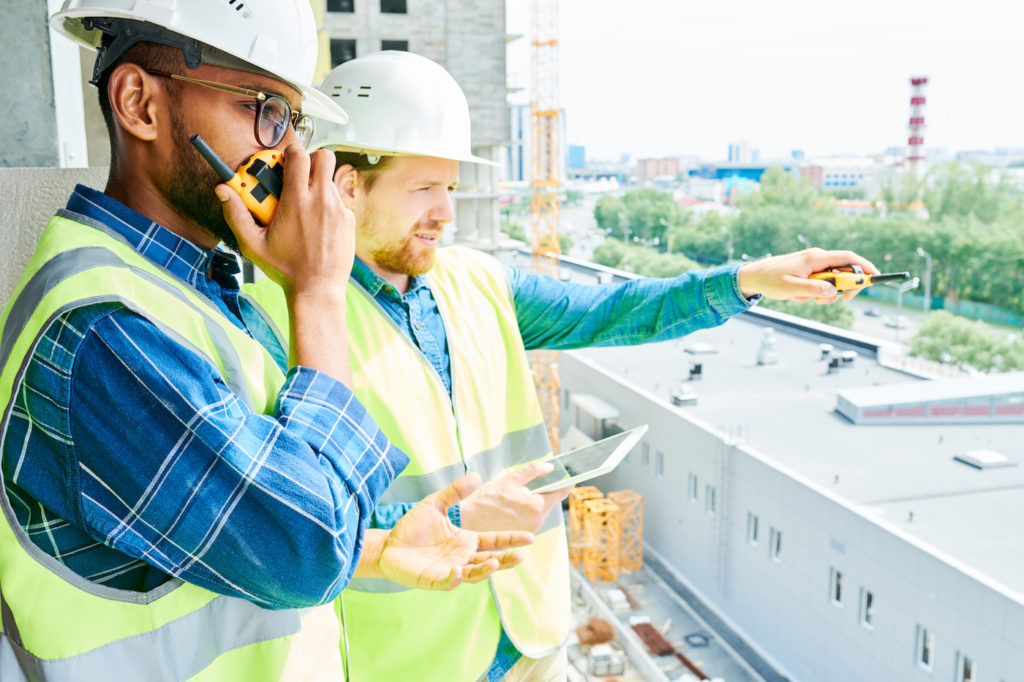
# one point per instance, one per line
(712, 648)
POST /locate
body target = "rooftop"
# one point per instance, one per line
(905, 474)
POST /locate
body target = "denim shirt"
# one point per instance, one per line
(562, 315)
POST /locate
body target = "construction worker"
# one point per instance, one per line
(184, 497)
(437, 345)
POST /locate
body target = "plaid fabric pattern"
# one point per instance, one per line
(129, 460)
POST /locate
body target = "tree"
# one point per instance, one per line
(943, 337)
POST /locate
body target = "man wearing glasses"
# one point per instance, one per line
(183, 498)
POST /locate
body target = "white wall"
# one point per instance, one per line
(32, 196)
(784, 608)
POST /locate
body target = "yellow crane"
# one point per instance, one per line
(546, 181)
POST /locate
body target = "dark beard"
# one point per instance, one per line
(189, 187)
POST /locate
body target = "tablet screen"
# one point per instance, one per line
(588, 462)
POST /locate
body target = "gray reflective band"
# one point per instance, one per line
(385, 586)
(75, 261)
(175, 652)
(516, 447)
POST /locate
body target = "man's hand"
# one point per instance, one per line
(425, 550)
(308, 249)
(785, 277)
(310, 243)
(507, 504)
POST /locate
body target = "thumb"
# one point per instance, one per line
(240, 220)
(528, 472)
(798, 287)
(455, 492)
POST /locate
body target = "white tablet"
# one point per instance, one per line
(588, 462)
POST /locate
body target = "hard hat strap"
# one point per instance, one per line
(122, 34)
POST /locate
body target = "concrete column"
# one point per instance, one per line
(29, 124)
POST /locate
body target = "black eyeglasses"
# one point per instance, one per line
(273, 112)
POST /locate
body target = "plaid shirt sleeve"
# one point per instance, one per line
(129, 437)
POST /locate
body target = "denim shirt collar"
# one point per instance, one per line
(374, 285)
(180, 257)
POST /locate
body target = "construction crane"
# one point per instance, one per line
(915, 126)
(546, 180)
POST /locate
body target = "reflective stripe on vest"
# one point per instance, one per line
(58, 626)
(493, 423)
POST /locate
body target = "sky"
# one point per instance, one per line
(658, 78)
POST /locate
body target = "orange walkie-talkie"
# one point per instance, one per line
(258, 181)
(850, 277)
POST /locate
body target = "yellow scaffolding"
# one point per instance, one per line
(577, 540)
(603, 536)
(631, 514)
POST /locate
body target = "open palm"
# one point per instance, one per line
(425, 550)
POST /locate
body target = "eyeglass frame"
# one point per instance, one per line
(261, 97)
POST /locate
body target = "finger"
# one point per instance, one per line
(797, 287)
(528, 472)
(449, 582)
(296, 175)
(504, 559)
(553, 497)
(476, 572)
(834, 259)
(322, 168)
(502, 539)
(455, 492)
(249, 234)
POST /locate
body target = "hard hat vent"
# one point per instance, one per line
(341, 90)
(240, 7)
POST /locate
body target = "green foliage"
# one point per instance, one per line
(838, 314)
(564, 243)
(943, 337)
(848, 193)
(572, 197)
(514, 231)
(706, 240)
(639, 215)
(642, 260)
(956, 190)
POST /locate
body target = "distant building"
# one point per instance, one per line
(519, 154)
(577, 157)
(468, 39)
(739, 152)
(648, 169)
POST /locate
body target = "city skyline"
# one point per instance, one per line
(679, 78)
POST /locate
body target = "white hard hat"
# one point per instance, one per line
(399, 104)
(276, 38)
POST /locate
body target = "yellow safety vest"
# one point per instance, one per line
(492, 423)
(60, 627)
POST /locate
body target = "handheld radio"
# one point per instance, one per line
(849, 277)
(258, 181)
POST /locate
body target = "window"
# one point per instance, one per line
(965, 669)
(710, 503)
(867, 609)
(836, 588)
(776, 545)
(400, 45)
(925, 648)
(691, 487)
(342, 50)
(659, 464)
(752, 528)
(645, 454)
(393, 7)
(341, 6)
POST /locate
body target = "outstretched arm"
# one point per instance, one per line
(425, 550)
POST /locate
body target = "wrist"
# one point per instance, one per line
(369, 560)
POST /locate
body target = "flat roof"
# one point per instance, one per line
(786, 411)
(931, 391)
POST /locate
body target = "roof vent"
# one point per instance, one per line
(700, 349)
(985, 459)
(768, 352)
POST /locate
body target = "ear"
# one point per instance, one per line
(134, 101)
(346, 178)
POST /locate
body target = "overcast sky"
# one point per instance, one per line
(671, 77)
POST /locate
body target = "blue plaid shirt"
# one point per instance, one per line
(129, 460)
(563, 315)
